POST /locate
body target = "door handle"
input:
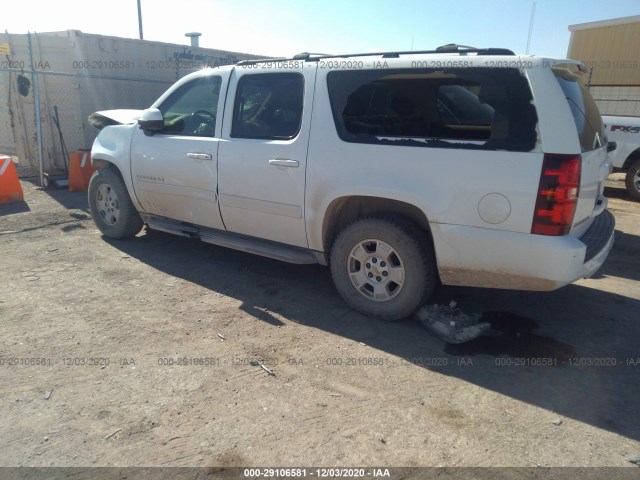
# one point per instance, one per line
(199, 156)
(283, 163)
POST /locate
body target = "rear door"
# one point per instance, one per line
(263, 155)
(595, 165)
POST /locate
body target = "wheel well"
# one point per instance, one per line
(99, 163)
(345, 210)
(633, 156)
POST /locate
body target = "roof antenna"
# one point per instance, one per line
(533, 13)
(140, 20)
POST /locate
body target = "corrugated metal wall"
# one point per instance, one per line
(612, 52)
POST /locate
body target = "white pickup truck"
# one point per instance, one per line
(625, 131)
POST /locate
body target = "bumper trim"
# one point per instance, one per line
(598, 234)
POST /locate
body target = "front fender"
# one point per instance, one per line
(621, 153)
(113, 146)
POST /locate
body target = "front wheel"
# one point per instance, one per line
(111, 208)
(632, 180)
(383, 267)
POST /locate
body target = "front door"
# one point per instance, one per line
(175, 170)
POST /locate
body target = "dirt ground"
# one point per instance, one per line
(146, 352)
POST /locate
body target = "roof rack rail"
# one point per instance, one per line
(455, 48)
(261, 60)
(307, 55)
(449, 48)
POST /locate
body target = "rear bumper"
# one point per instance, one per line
(598, 241)
(478, 257)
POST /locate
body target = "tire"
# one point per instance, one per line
(371, 246)
(632, 180)
(111, 207)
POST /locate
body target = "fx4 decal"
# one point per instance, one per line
(625, 128)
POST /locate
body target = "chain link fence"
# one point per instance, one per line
(617, 100)
(50, 84)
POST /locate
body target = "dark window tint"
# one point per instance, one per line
(459, 104)
(473, 107)
(584, 110)
(192, 109)
(268, 106)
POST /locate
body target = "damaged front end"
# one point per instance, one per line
(106, 118)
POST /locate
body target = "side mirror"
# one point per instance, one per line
(611, 146)
(151, 120)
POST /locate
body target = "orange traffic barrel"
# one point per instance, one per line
(80, 170)
(10, 188)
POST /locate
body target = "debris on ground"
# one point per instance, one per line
(112, 434)
(633, 458)
(256, 363)
(450, 323)
(557, 422)
(47, 394)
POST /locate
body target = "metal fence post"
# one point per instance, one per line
(36, 106)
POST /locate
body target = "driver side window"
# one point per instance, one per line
(191, 110)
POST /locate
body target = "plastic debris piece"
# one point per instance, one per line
(450, 323)
(633, 458)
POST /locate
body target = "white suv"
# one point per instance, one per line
(466, 166)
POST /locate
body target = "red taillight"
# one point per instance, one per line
(557, 194)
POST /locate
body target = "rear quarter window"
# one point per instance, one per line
(584, 110)
(477, 108)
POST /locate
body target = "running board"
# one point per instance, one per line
(169, 226)
(257, 246)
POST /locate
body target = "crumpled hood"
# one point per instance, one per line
(105, 118)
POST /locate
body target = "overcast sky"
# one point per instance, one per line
(286, 27)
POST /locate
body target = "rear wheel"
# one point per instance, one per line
(111, 208)
(383, 267)
(632, 180)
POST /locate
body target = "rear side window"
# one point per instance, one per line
(584, 110)
(268, 106)
(477, 108)
(459, 104)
